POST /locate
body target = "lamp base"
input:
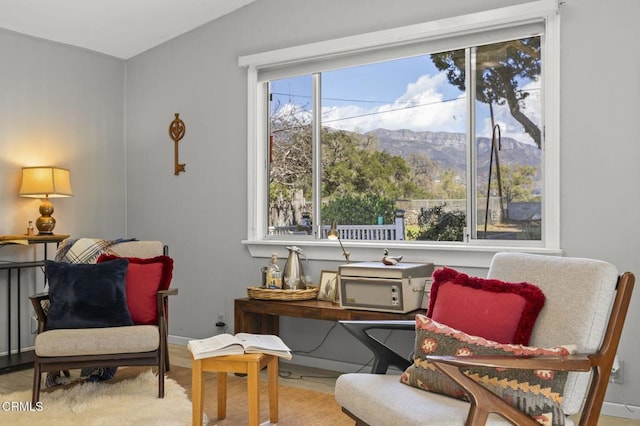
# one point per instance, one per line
(46, 223)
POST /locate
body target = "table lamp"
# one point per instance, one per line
(333, 234)
(45, 182)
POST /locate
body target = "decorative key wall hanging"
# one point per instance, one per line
(176, 132)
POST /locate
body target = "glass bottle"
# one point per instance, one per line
(274, 275)
(30, 229)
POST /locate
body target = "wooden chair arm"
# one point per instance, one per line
(576, 362)
(161, 303)
(483, 401)
(38, 297)
(41, 314)
(384, 356)
(168, 292)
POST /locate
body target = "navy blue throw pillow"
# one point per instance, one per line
(87, 295)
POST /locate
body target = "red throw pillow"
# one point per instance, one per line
(489, 308)
(144, 278)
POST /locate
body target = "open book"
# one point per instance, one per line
(226, 344)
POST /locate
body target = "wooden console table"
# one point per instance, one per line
(20, 359)
(263, 316)
(33, 239)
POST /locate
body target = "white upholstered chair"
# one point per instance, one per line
(586, 304)
(67, 349)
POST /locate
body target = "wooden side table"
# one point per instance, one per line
(33, 239)
(249, 364)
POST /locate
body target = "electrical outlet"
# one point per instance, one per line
(617, 373)
(220, 322)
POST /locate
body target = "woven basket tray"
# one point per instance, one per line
(275, 294)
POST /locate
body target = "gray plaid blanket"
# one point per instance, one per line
(85, 250)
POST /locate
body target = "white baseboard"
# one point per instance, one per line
(325, 364)
(332, 365)
(178, 340)
(620, 410)
(15, 351)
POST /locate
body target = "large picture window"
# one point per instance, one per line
(416, 144)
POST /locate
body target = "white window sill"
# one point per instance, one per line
(451, 254)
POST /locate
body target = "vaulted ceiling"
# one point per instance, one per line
(120, 28)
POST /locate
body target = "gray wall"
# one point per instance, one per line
(201, 214)
(63, 107)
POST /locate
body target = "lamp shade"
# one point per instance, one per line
(43, 182)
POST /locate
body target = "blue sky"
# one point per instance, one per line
(389, 79)
(407, 93)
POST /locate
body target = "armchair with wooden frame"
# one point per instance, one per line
(135, 345)
(586, 305)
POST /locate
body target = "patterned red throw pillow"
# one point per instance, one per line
(536, 392)
(493, 309)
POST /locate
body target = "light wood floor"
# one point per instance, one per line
(290, 375)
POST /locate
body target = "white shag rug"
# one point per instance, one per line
(128, 402)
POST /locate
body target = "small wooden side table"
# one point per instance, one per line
(249, 364)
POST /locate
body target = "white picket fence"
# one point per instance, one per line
(367, 232)
(351, 232)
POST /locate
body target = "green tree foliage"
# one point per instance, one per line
(499, 67)
(437, 224)
(449, 188)
(351, 165)
(517, 182)
(359, 210)
(359, 183)
(424, 172)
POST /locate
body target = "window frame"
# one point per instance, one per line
(473, 253)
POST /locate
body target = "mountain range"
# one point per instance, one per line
(448, 150)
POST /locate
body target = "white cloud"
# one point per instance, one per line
(421, 107)
(424, 107)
